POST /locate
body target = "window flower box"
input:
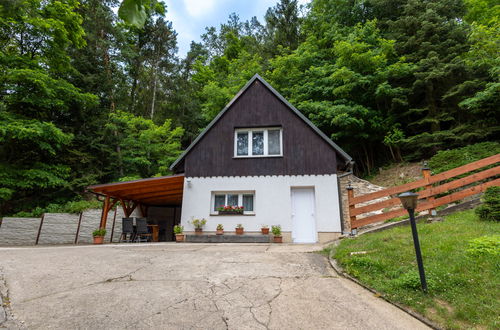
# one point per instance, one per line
(230, 210)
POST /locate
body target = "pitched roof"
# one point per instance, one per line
(341, 152)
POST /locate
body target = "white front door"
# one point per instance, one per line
(303, 220)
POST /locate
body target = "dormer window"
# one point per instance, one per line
(258, 142)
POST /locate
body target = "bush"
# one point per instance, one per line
(490, 209)
(411, 280)
(69, 207)
(99, 232)
(178, 230)
(484, 245)
(276, 230)
(448, 159)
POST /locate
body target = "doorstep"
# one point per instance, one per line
(246, 238)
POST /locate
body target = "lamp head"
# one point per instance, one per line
(409, 200)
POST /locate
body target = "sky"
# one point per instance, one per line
(190, 17)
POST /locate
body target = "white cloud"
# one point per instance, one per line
(198, 8)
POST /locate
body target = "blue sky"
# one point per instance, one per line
(190, 17)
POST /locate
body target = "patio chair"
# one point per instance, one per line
(127, 230)
(142, 233)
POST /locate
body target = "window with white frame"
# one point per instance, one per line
(237, 199)
(258, 142)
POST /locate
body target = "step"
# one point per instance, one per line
(205, 238)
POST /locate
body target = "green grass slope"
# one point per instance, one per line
(462, 262)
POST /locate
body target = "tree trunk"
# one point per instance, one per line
(154, 92)
(367, 157)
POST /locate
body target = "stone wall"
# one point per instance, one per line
(19, 231)
(361, 187)
(58, 228)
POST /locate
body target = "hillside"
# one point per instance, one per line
(396, 174)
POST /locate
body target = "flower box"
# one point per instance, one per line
(230, 210)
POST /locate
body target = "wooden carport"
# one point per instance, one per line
(160, 191)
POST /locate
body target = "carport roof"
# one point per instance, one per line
(160, 191)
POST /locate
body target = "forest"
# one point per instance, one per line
(87, 97)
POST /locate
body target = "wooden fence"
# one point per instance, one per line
(427, 197)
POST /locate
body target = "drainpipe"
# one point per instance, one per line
(350, 165)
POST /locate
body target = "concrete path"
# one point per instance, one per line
(185, 286)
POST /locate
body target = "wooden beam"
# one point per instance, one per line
(104, 214)
(144, 209)
(159, 200)
(132, 208)
(115, 187)
(144, 189)
(108, 205)
(148, 194)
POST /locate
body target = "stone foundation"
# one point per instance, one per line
(323, 237)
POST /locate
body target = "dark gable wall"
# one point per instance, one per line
(304, 151)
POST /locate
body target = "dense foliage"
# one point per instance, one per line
(446, 160)
(88, 97)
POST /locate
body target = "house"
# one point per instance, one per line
(259, 153)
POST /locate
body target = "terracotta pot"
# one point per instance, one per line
(220, 232)
(98, 239)
(278, 239)
(265, 231)
(198, 231)
(239, 231)
(179, 237)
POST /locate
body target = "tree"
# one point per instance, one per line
(147, 149)
(345, 85)
(283, 25)
(38, 105)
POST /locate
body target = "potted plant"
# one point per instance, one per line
(228, 210)
(98, 235)
(198, 225)
(179, 233)
(239, 229)
(277, 234)
(220, 229)
(264, 229)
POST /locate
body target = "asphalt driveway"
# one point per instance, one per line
(185, 286)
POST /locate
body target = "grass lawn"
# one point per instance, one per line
(464, 283)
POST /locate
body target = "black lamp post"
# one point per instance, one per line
(409, 201)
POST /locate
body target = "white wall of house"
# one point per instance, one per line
(272, 202)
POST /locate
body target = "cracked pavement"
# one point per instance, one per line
(185, 286)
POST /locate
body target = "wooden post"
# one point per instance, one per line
(39, 229)
(78, 228)
(426, 173)
(125, 208)
(113, 227)
(104, 215)
(352, 218)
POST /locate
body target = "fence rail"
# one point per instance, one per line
(432, 189)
